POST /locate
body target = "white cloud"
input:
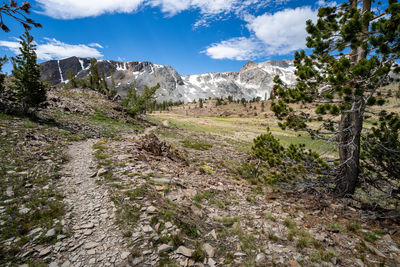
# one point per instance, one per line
(240, 48)
(280, 33)
(54, 49)
(95, 45)
(284, 31)
(71, 9)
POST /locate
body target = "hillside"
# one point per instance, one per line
(86, 185)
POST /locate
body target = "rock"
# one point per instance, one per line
(164, 248)
(239, 254)
(53, 264)
(101, 172)
(359, 262)
(87, 226)
(209, 250)
(294, 263)
(147, 252)
(34, 231)
(161, 180)
(196, 211)
(168, 225)
(151, 209)
(92, 261)
(51, 233)
(184, 251)
(45, 252)
(374, 249)
(136, 261)
(10, 192)
(261, 259)
(125, 255)
(213, 234)
(211, 262)
(147, 229)
(87, 232)
(91, 245)
(23, 210)
(91, 252)
(397, 259)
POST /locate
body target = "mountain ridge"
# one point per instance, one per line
(252, 80)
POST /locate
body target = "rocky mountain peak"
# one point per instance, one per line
(253, 80)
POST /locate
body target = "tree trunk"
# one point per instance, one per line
(349, 152)
(351, 125)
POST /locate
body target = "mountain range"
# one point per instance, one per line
(253, 80)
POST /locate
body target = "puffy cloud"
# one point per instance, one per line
(54, 49)
(284, 31)
(280, 33)
(240, 48)
(71, 9)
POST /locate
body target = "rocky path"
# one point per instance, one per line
(94, 239)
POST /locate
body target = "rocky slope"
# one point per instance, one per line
(253, 80)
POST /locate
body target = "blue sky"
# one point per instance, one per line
(193, 36)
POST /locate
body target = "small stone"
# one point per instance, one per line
(91, 245)
(34, 231)
(168, 225)
(9, 192)
(136, 261)
(359, 262)
(374, 249)
(87, 232)
(261, 259)
(87, 226)
(213, 234)
(66, 264)
(196, 211)
(184, 251)
(125, 255)
(164, 248)
(23, 210)
(91, 252)
(209, 250)
(53, 264)
(101, 172)
(294, 263)
(92, 261)
(211, 262)
(51, 233)
(147, 252)
(61, 237)
(45, 252)
(147, 229)
(151, 209)
(239, 254)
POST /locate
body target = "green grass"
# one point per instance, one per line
(29, 171)
(196, 144)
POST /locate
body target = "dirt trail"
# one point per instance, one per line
(94, 239)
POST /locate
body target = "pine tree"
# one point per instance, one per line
(354, 47)
(138, 105)
(3, 60)
(14, 11)
(94, 77)
(30, 89)
(71, 79)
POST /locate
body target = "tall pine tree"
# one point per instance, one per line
(354, 46)
(3, 60)
(30, 89)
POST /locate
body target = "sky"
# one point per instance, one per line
(192, 36)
